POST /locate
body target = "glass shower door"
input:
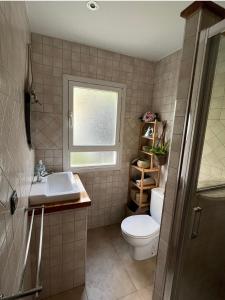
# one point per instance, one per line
(212, 168)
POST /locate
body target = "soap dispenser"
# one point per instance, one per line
(39, 170)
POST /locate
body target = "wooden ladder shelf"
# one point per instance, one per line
(139, 193)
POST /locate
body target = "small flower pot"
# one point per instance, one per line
(161, 159)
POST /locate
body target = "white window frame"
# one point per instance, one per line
(68, 82)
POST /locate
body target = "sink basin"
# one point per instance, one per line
(54, 188)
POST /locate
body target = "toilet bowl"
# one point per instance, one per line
(142, 231)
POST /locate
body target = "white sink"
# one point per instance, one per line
(55, 187)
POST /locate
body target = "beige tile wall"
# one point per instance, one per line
(64, 250)
(51, 59)
(164, 96)
(16, 160)
(212, 169)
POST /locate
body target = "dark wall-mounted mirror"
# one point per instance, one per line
(27, 115)
(27, 97)
(30, 97)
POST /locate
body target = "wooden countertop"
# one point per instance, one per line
(84, 201)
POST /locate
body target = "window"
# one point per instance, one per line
(93, 114)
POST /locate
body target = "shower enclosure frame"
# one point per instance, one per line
(193, 139)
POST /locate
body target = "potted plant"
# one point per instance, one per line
(160, 152)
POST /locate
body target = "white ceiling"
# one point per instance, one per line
(149, 30)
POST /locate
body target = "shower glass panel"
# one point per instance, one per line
(212, 168)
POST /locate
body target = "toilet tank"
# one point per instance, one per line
(156, 205)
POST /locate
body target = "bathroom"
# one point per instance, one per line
(74, 224)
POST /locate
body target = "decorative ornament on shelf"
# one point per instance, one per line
(149, 132)
(143, 163)
(149, 116)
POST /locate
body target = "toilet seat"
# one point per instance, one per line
(140, 226)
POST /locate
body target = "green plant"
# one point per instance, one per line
(160, 149)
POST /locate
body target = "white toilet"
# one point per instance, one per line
(142, 231)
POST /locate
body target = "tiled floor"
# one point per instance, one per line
(111, 273)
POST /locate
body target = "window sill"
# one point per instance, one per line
(95, 169)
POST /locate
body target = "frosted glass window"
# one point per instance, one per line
(92, 124)
(87, 159)
(94, 117)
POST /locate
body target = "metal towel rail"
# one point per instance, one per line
(38, 287)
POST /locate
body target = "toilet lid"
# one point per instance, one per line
(139, 226)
